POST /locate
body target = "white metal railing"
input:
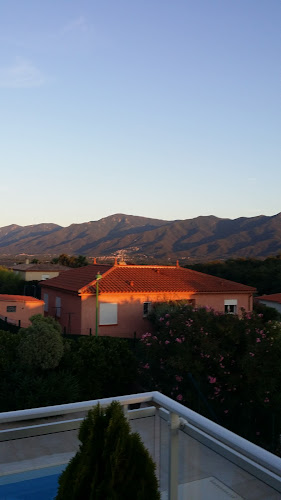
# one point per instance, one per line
(255, 460)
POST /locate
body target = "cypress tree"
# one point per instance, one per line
(112, 463)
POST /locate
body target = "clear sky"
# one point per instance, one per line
(158, 108)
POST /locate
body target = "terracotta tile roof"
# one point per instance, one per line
(18, 298)
(124, 279)
(274, 297)
(133, 278)
(75, 279)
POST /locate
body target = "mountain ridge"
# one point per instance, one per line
(135, 237)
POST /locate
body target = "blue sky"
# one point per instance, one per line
(158, 108)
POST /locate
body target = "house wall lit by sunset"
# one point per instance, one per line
(127, 292)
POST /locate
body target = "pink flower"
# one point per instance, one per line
(146, 366)
(179, 397)
(167, 342)
(251, 354)
(226, 411)
(178, 378)
(258, 340)
(221, 359)
(178, 340)
(212, 380)
(266, 400)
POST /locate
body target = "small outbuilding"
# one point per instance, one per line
(273, 300)
(17, 309)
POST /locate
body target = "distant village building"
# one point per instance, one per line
(38, 272)
(125, 294)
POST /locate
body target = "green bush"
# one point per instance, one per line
(38, 367)
(112, 463)
(105, 366)
(8, 350)
(10, 282)
(41, 344)
(21, 389)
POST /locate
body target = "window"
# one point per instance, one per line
(230, 306)
(58, 307)
(108, 314)
(146, 309)
(46, 302)
(11, 309)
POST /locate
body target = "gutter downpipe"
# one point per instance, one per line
(98, 277)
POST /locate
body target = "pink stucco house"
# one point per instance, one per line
(17, 309)
(126, 293)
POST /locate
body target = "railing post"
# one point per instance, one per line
(173, 457)
(125, 410)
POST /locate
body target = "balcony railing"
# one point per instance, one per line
(193, 454)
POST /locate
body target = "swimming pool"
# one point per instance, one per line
(39, 484)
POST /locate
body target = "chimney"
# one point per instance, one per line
(27, 261)
(95, 260)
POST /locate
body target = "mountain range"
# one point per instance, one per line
(145, 239)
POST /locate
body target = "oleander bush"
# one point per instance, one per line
(225, 367)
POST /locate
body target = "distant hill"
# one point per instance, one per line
(141, 238)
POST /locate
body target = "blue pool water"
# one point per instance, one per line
(41, 484)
